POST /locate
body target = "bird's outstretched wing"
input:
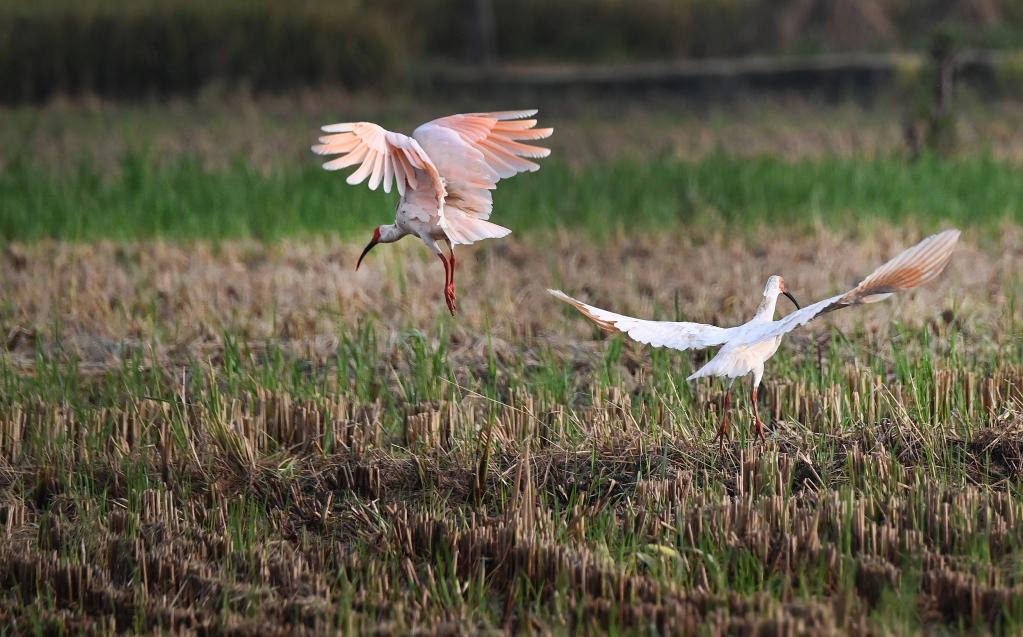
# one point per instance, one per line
(676, 335)
(913, 267)
(497, 136)
(384, 157)
(472, 153)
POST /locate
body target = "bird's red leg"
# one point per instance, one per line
(756, 414)
(451, 278)
(448, 298)
(723, 431)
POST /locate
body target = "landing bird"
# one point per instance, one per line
(748, 346)
(444, 174)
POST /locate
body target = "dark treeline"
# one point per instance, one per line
(124, 49)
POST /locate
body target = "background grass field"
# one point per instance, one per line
(209, 422)
(182, 200)
(192, 171)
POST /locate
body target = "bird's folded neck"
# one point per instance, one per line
(765, 311)
(391, 233)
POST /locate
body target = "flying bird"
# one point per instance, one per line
(443, 173)
(745, 348)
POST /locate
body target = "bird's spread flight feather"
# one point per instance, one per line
(384, 157)
(676, 335)
(472, 153)
(911, 268)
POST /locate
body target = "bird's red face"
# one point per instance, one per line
(375, 240)
(784, 290)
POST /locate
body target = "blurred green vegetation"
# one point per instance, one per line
(182, 199)
(119, 48)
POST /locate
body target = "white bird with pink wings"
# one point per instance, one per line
(444, 174)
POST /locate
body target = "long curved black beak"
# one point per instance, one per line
(365, 252)
(791, 298)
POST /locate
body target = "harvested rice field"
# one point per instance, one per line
(209, 431)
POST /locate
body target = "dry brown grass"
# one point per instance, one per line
(274, 132)
(182, 298)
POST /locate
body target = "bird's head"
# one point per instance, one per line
(776, 286)
(382, 234)
(375, 240)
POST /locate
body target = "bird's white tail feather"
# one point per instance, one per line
(726, 366)
(464, 229)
